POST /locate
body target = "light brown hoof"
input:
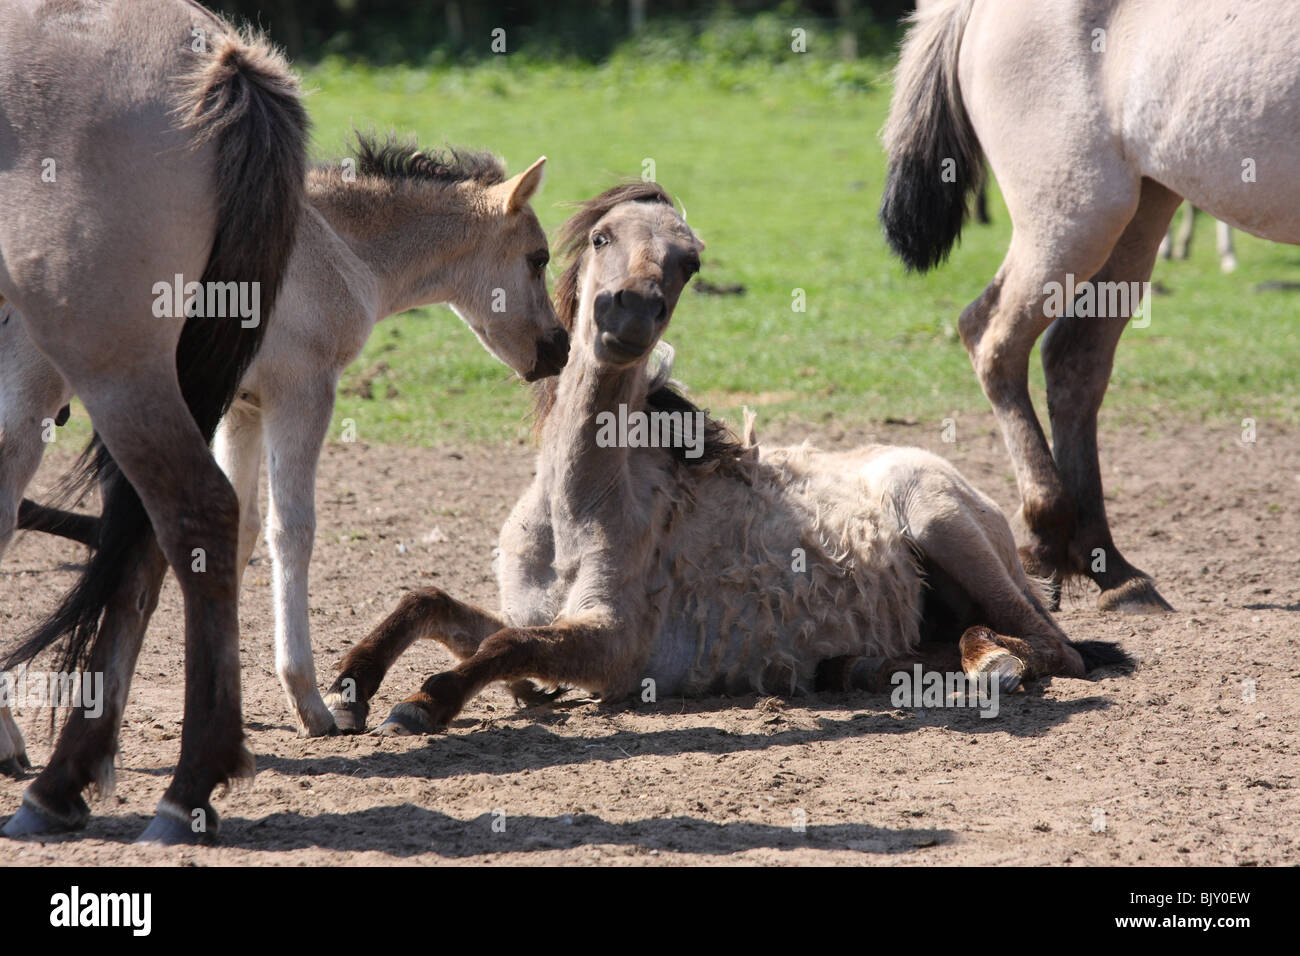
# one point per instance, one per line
(1004, 667)
(1134, 596)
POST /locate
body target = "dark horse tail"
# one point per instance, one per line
(243, 98)
(935, 160)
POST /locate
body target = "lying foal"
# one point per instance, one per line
(708, 566)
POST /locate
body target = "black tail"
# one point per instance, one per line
(935, 159)
(244, 99)
(1098, 654)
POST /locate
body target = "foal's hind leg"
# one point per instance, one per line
(1077, 357)
(428, 612)
(296, 425)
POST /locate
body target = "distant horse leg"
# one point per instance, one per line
(1183, 244)
(426, 613)
(1227, 257)
(88, 742)
(982, 206)
(579, 654)
(1077, 357)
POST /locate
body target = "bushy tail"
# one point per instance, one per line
(935, 160)
(243, 98)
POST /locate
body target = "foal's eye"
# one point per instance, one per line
(599, 240)
(539, 260)
(691, 266)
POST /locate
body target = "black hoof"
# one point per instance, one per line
(170, 827)
(15, 767)
(31, 821)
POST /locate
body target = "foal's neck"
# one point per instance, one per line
(411, 243)
(580, 472)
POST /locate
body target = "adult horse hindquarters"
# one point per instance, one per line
(1096, 118)
(412, 227)
(159, 142)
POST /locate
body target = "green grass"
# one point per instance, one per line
(780, 171)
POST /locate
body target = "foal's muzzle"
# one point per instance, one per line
(628, 322)
(552, 353)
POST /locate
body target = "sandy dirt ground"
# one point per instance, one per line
(1176, 763)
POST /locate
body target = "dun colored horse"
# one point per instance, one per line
(388, 229)
(141, 141)
(1098, 118)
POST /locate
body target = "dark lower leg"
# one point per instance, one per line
(1078, 355)
(89, 740)
(426, 613)
(578, 655)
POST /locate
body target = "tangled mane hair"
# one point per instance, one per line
(720, 444)
(404, 161)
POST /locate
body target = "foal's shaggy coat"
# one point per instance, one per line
(735, 571)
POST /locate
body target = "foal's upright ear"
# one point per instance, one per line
(519, 189)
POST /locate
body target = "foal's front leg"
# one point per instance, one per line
(593, 655)
(426, 613)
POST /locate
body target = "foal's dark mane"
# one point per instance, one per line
(720, 444)
(399, 161)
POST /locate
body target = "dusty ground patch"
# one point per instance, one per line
(1184, 767)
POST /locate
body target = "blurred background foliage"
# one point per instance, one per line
(434, 32)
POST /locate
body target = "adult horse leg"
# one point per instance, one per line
(1078, 354)
(88, 742)
(1183, 243)
(999, 330)
(1227, 257)
(426, 613)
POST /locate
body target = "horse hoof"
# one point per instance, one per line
(169, 828)
(326, 730)
(1134, 596)
(405, 720)
(31, 821)
(315, 718)
(16, 766)
(1003, 667)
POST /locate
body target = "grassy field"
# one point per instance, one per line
(780, 171)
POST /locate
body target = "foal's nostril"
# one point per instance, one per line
(647, 305)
